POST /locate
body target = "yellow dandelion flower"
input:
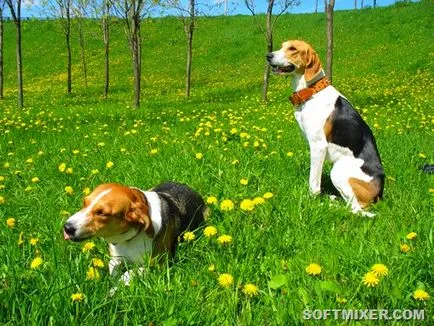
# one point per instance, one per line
(211, 200)
(153, 151)
(75, 151)
(224, 239)
(10, 222)
(341, 300)
(289, 154)
(244, 182)
(234, 162)
(2, 200)
(7, 165)
(36, 263)
(227, 205)
(77, 297)
(21, 238)
(101, 144)
(199, 156)
(29, 160)
(209, 231)
(86, 191)
(247, 205)
(28, 188)
(189, 236)
(226, 280)
(370, 279)
(234, 131)
(96, 262)
(313, 269)
(88, 246)
(109, 165)
(404, 248)
(69, 190)
(250, 290)
(422, 155)
(92, 274)
(268, 195)
(379, 270)
(258, 201)
(94, 171)
(2, 178)
(420, 295)
(34, 241)
(35, 179)
(431, 190)
(211, 268)
(69, 171)
(411, 236)
(62, 167)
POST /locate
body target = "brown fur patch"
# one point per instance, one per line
(365, 192)
(328, 127)
(165, 242)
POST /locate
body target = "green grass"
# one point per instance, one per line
(383, 64)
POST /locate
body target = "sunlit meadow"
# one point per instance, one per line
(269, 249)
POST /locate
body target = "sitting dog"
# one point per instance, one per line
(136, 222)
(333, 129)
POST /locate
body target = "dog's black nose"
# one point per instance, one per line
(270, 56)
(69, 228)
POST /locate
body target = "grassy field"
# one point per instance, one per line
(383, 64)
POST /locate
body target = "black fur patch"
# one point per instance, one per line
(351, 131)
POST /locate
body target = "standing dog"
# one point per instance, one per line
(136, 222)
(333, 129)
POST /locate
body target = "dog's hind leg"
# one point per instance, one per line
(347, 177)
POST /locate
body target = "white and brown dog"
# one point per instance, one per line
(332, 127)
(136, 222)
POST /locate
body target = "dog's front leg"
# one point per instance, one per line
(114, 266)
(318, 152)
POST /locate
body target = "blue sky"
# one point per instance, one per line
(32, 8)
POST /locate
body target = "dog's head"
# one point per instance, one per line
(111, 211)
(295, 57)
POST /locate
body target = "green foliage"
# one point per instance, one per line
(383, 64)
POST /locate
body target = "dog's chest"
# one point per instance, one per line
(312, 115)
(134, 250)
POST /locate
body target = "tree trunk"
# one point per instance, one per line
(189, 29)
(1, 54)
(68, 63)
(189, 57)
(329, 4)
(375, 3)
(136, 49)
(361, 5)
(106, 37)
(19, 62)
(316, 6)
(82, 50)
(269, 37)
(355, 4)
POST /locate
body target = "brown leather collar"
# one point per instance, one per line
(305, 94)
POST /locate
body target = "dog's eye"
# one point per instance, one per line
(99, 212)
(291, 48)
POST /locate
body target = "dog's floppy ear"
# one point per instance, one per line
(313, 65)
(139, 213)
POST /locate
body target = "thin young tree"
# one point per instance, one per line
(79, 8)
(1, 49)
(15, 10)
(329, 7)
(132, 12)
(188, 12)
(270, 22)
(99, 11)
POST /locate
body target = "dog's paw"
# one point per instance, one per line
(315, 191)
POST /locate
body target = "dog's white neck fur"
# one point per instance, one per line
(132, 245)
(299, 82)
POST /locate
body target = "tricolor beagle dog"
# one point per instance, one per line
(136, 222)
(333, 129)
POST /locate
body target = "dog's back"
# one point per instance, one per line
(183, 203)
